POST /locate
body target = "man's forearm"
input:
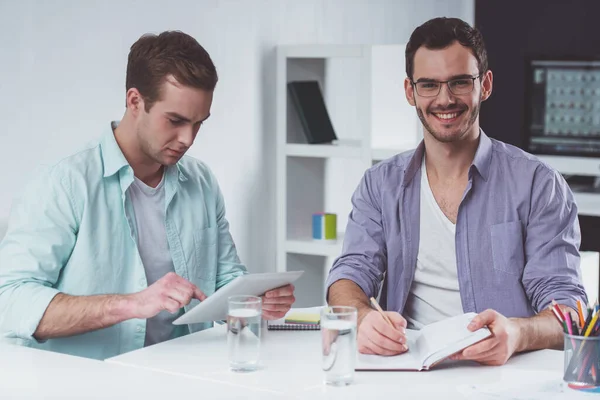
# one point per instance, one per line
(541, 331)
(347, 293)
(72, 315)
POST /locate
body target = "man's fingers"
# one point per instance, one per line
(171, 305)
(199, 294)
(480, 348)
(482, 319)
(492, 360)
(397, 319)
(172, 281)
(276, 307)
(381, 326)
(283, 291)
(373, 343)
(271, 315)
(180, 295)
(386, 343)
(365, 348)
(491, 354)
(279, 300)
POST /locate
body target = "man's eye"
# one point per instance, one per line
(461, 82)
(176, 121)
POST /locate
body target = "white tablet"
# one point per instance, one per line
(214, 308)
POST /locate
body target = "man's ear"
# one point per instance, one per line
(409, 91)
(134, 101)
(487, 82)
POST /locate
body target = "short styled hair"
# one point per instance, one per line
(153, 58)
(439, 33)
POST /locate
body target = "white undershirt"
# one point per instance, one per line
(434, 294)
(151, 236)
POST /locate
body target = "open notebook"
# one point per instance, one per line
(428, 346)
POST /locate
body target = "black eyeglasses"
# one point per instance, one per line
(457, 86)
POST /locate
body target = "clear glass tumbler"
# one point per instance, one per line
(338, 330)
(244, 332)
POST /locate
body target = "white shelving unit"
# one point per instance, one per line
(316, 178)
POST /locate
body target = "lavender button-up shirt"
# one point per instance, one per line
(517, 233)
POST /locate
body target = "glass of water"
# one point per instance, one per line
(338, 330)
(243, 332)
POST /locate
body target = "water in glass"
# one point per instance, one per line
(339, 351)
(243, 338)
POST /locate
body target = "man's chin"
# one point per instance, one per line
(447, 136)
(167, 161)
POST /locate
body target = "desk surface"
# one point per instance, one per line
(291, 366)
(27, 373)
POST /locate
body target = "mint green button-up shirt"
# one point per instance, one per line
(70, 233)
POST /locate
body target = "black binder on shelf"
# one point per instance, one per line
(308, 102)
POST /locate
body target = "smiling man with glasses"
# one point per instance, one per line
(464, 223)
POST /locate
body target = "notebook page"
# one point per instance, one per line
(447, 337)
(411, 360)
(439, 355)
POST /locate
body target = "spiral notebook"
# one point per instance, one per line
(298, 319)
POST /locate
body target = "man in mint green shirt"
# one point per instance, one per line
(113, 243)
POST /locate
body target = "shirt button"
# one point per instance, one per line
(142, 282)
(139, 329)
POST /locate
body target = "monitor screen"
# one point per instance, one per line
(563, 108)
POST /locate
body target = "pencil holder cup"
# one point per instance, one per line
(582, 362)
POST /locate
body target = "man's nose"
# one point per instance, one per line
(186, 136)
(445, 96)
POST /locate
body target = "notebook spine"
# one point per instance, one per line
(293, 327)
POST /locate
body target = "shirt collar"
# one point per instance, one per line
(481, 162)
(114, 161)
(483, 156)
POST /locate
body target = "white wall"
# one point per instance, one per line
(62, 69)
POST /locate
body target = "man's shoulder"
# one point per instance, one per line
(392, 167)
(513, 157)
(85, 163)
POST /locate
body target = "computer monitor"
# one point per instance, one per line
(562, 119)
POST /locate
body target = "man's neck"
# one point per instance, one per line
(144, 168)
(450, 161)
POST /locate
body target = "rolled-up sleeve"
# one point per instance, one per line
(363, 259)
(552, 270)
(40, 238)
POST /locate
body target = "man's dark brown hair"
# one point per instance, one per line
(439, 33)
(153, 58)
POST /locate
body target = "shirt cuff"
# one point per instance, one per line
(351, 274)
(37, 300)
(563, 301)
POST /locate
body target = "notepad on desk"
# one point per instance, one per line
(298, 319)
(427, 347)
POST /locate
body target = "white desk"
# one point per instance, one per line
(27, 373)
(291, 366)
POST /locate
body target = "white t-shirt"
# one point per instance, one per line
(434, 294)
(151, 236)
